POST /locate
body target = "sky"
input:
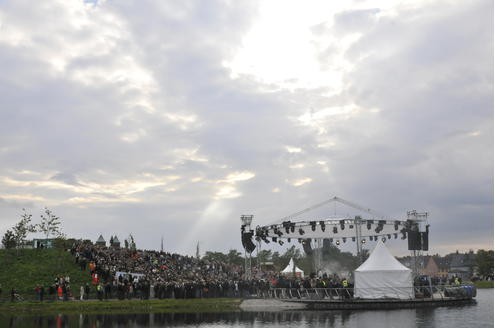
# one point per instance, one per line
(171, 119)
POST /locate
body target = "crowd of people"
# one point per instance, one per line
(127, 273)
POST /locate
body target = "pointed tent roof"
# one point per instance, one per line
(291, 267)
(100, 239)
(116, 240)
(381, 260)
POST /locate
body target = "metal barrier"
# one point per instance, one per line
(441, 292)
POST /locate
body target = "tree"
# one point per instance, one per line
(235, 257)
(22, 228)
(8, 240)
(484, 261)
(50, 224)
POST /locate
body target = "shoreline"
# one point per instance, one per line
(121, 306)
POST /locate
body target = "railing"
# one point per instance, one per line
(417, 292)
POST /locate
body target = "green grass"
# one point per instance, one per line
(126, 306)
(25, 268)
(483, 284)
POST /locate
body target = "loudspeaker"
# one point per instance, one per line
(247, 241)
(414, 240)
(424, 241)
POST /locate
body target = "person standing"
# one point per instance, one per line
(86, 291)
(81, 291)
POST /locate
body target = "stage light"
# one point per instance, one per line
(380, 226)
(313, 225)
(351, 226)
(363, 241)
(344, 239)
(376, 238)
(292, 227)
(288, 240)
(335, 230)
(371, 238)
(274, 239)
(286, 225)
(337, 243)
(353, 238)
(395, 235)
(389, 236)
(322, 225)
(301, 231)
(396, 225)
(384, 239)
(280, 242)
(342, 224)
(368, 224)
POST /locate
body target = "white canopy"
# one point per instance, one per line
(382, 276)
(291, 268)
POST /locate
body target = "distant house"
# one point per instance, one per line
(101, 241)
(43, 243)
(432, 269)
(462, 265)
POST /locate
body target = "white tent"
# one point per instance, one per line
(291, 268)
(382, 276)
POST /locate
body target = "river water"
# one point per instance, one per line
(469, 316)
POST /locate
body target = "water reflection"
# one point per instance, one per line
(239, 319)
(480, 315)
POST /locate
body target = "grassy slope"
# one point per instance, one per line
(34, 267)
(483, 284)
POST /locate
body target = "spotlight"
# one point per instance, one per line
(395, 235)
(368, 224)
(344, 239)
(396, 225)
(292, 227)
(335, 230)
(351, 226)
(342, 224)
(288, 240)
(353, 238)
(380, 226)
(280, 242)
(286, 225)
(313, 225)
(322, 225)
(301, 231)
(274, 239)
(337, 243)
(376, 238)
(389, 236)
(363, 241)
(371, 238)
(384, 239)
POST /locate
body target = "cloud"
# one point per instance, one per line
(172, 119)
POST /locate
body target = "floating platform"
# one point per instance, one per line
(343, 298)
(379, 304)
